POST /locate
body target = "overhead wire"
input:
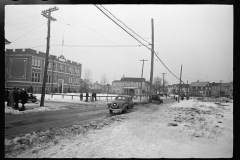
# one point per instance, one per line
(27, 33)
(139, 42)
(125, 25)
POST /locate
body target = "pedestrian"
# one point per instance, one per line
(10, 97)
(95, 96)
(23, 97)
(87, 95)
(16, 98)
(92, 97)
(81, 96)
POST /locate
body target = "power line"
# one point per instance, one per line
(140, 42)
(28, 32)
(125, 25)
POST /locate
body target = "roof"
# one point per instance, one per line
(198, 84)
(129, 79)
(215, 84)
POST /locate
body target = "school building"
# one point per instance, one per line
(24, 68)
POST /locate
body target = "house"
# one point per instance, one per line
(200, 89)
(215, 89)
(225, 88)
(169, 88)
(184, 88)
(130, 86)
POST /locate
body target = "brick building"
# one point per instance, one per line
(25, 69)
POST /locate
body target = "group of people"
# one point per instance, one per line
(14, 95)
(93, 97)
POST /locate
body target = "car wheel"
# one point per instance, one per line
(35, 100)
(110, 111)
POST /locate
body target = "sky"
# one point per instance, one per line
(198, 37)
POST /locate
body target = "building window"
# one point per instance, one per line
(35, 77)
(65, 68)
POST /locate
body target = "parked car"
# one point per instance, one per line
(121, 104)
(156, 99)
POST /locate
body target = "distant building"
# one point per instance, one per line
(184, 88)
(200, 89)
(25, 69)
(225, 88)
(130, 86)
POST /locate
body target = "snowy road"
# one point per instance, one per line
(18, 125)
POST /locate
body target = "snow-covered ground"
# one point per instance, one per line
(188, 129)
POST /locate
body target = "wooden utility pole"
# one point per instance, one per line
(141, 79)
(47, 14)
(163, 81)
(152, 58)
(179, 84)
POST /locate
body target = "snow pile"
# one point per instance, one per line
(10, 110)
(42, 139)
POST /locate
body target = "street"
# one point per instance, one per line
(19, 125)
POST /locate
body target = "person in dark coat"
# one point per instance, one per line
(95, 96)
(10, 97)
(81, 96)
(87, 95)
(92, 97)
(23, 97)
(16, 98)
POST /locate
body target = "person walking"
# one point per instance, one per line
(92, 97)
(10, 97)
(16, 98)
(23, 97)
(87, 95)
(81, 96)
(95, 96)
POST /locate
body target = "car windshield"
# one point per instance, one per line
(121, 98)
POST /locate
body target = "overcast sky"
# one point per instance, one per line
(198, 37)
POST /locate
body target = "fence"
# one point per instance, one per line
(98, 97)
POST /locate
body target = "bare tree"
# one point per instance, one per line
(157, 82)
(88, 74)
(104, 81)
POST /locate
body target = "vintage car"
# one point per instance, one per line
(155, 99)
(121, 104)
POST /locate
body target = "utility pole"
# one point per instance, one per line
(47, 14)
(52, 73)
(179, 84)
(220, 88)
(187, 88)
(152, 58)
(163, 80)
(141, 78)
